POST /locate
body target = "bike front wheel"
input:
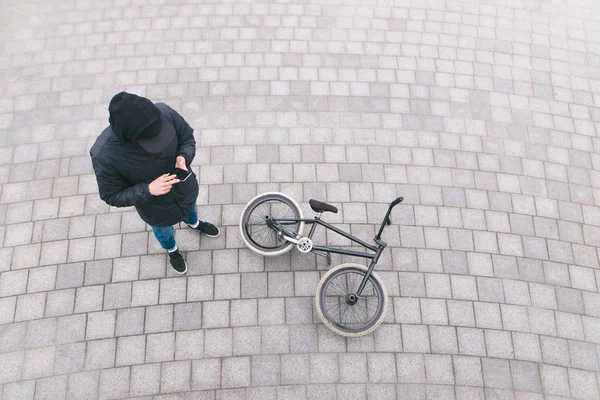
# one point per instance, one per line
(257, 235)
(344, 314)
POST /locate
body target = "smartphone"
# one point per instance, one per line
(181, 174)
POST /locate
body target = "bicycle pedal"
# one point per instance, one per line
(304, 245)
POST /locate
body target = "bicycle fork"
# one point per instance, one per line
(352, 298)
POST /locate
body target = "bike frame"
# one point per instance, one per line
(374, 257)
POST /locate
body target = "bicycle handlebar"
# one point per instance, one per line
(387, 216)
(398, 200)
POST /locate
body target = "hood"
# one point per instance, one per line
(133, 117)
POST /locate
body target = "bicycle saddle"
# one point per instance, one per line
(319, 206)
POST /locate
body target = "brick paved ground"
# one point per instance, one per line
(484, 117)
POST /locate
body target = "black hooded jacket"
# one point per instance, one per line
(126, 159)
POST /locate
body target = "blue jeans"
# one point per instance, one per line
(165, 234)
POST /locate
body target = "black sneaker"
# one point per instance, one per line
(207, 228)
(177, 262)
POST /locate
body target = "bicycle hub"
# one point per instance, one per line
(351, 299)
(269, 221)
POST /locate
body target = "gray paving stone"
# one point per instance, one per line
(98, 272)
(411, 284)
(188, 316)
(89, 298)
(81, 249)
(329, 341)
(100, 325)
(382, 368)
(70, 275)
(305, 282)
(160, 347)
(145, 293)
(12, 366)
(158, 319)
(246, 341)
(69, 358)
(206, 374)
(352, 367)
(225, 261)
(410, 368)
(295, 369)
(471, 341)
(41, 279)
(583, 355)
(487, 315)
(271, 311)
(215, 314)
(134, 244)
(30, 306)
(443, 340)
(525, 376)
(152, 266)
(13, 283)
(130, 350)
(100, 354)
(114, 383)
(175, 377)
(280, 284)
(13, 337)
(467, 371)
(189, 344)
(51, 388)
(125, 269)
(299, 310)
(83, 385)
(130, 321)
(71, 328)
(569, 300)
(218, 342)
(496, 373)
(38, 362)
(275, 339)
(303, 339)
(40, 332)
(172, 290)
(228, 286)
(244, 312)
(266, 370)
(569, 326)
(416, 338)
(145, 379)
(434, 311)
(583, 384)
(527, 347)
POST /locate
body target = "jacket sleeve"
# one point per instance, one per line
(115, 190)
(185, 135)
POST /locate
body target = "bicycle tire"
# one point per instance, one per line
(251, 241)
(337, 326)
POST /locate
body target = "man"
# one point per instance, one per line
(133, 159)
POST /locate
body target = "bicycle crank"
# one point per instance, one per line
(304, 245)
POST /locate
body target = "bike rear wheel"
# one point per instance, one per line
(334, 301)
(257, 235)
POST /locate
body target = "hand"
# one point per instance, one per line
(162, 184)
(180, 163)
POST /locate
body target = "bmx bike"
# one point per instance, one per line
(351, 299)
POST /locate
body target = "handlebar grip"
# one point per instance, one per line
(398, 200)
